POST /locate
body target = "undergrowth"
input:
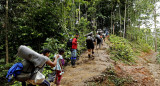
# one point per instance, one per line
(126, 51)
(121, 49)
(110, 78)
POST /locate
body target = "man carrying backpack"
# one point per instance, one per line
(90, 46)
(99, 40)
(46, 53)
(74, 50)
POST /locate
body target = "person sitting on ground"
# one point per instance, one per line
(45, 52)
(59, 67)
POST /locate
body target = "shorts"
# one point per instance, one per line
(90, 46)
(74, 53)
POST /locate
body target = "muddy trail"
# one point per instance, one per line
(86, 68)
(146, 72)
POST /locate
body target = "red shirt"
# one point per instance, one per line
(74, 43)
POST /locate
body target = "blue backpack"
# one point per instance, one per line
(14, 71)
(21, 71)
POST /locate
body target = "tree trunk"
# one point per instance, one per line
(120, 20)
(6, 31)
(79, 10)
(111, 23)
(113, 29)
(155, 21)
(124, 21)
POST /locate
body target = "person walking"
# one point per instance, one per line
(90, 46)
(45, 52)
(98, 41)
(74, 50)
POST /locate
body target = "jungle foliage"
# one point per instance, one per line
(51, 23)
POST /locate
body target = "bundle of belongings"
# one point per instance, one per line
(29, 69)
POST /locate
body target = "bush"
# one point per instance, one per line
(143, 46)
(121, 49)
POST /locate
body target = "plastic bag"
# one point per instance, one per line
(39, 78)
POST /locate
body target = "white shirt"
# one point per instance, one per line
(58, 67)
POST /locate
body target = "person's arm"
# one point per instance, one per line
(52, 64)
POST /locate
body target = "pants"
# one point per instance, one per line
(58, 77)
(73, 56)
(73, 61)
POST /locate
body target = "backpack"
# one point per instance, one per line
(88, 38)
(27, 72)
(32, 62)
(14, 71)
(69, 43)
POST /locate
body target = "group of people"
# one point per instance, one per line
(97, 40)
(58, 60)
(57, 64)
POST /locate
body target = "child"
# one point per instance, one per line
(58, 68)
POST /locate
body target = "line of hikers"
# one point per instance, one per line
(29, 71)
(97, 40)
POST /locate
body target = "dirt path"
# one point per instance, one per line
(146, 72)
(154, 68)
(86, 69)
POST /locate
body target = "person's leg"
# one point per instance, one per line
(101, 41)
(93, 52)
(73, 58)
(89, 53)
(72, 61)
(99, 45)
(58, 77)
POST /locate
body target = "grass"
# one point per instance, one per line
(111, 79)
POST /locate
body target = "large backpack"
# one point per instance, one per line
(32, 63)
(27, 72)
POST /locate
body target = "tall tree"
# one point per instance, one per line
(6, 31)
(120, 18)
(155, 26)
(125, 19)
